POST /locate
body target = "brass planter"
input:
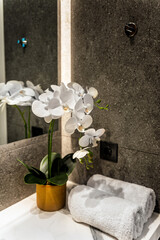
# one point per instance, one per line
(50, 198)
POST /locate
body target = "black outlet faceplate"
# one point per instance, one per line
(109, 151)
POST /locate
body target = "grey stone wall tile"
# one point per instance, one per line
(126, 73)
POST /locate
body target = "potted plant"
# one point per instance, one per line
(51, 177)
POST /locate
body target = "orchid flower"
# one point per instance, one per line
(78, 90)
(14, 93)
(91, 137)
(80, 124)
(84, 106)
(54, 104)
(80, 153)
(65, 95)
(93, 92)
(24, 97)
(37, 89)
(10, 88)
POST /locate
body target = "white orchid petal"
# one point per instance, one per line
(90, 132)
(29, 84)
(56, 117)
(99, 132)
(15, 82)
(84, 141)
(97, 139)
(45, 97)
(63, 88)
(56, 94)
(71, 125)
(13, 87)
(80, 154)
(55, 88)
(48, 119)
(93, 92)
(27, 92)
(54, 103)
(57, 112)
(76, 87)
(88, 108)
(79, 109)
(94, 142)
(66, 96)
(39, 109)
(19, 100)
(24, 104)
(79, 114)
(79, 105)
(87, 121)
(36, 88)
(88, 100)
(71, 103)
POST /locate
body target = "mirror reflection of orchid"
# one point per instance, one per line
(73, 99)
(16, 94)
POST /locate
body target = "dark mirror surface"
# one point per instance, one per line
(37, 22)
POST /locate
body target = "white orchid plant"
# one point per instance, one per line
(77, 102)
(52, 104)
(16, 94)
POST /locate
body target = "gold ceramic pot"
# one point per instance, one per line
(50, 198)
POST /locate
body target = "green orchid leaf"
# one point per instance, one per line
(68, 163)
(37, 172)
(24, 164)
(31, 179)
(59, 180)
(56, 166)
(44, 162)
(34, 171)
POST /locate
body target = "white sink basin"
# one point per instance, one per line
(24, 221)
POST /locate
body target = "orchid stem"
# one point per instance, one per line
(50, 136)
(29, 122)
(80, 138)
(25, 123)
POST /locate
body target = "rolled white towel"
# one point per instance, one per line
(140, 195)
(115, 216)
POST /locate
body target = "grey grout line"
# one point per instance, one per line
(137, 150)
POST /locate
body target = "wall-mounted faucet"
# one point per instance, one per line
(23, 42)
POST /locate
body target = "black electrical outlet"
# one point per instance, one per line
(36, 131)
(109, 151)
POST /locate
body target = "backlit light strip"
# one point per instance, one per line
(64, 41)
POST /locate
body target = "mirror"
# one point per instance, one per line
(36, 21)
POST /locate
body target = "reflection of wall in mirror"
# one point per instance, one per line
(37, 21)
(3, 125)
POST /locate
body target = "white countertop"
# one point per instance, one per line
(24, 221)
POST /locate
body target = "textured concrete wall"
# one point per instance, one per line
(127, 75)
(31, 151)
(37, 21)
